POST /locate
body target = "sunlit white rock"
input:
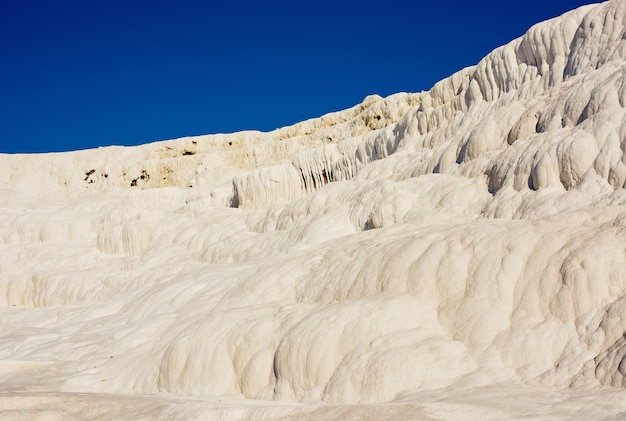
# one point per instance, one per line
(442, 251)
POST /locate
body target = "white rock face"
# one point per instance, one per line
(452, 254)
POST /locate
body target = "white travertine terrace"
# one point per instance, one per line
(452, 254)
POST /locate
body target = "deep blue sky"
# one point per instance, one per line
(88, 73)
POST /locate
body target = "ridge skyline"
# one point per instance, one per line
(84, 77)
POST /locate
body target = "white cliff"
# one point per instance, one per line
(452, 254)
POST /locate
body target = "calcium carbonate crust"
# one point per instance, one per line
(469, 236)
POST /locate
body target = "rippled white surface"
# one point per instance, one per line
(452, 254)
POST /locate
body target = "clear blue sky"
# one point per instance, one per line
(88, 73)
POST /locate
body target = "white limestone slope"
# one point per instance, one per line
(457, 253)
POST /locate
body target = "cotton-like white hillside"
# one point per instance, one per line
(452, 254)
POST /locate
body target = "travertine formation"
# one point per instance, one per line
(456, 253)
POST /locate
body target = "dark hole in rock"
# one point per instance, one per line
(88, 174)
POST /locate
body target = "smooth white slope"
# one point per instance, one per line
(447, 246)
